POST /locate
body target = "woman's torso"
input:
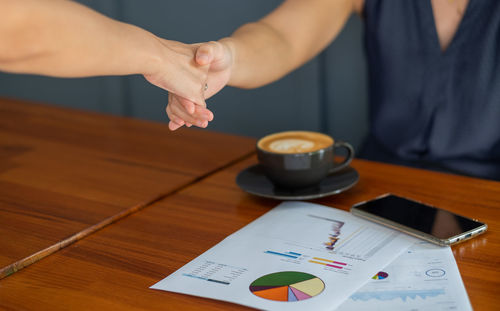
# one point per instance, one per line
(430, 105)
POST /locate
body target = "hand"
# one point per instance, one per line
(178, 73)
(218, 58)
(181, 112)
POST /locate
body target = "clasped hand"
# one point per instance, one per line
(194, 73)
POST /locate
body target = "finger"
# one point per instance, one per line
(173, 117)
(205, 53)
(210, 53)
(173, 126)
(210, 115)
(188, 105)
(199, 118)
(205, 113)
(197, 98)
(177, 120)
(198, 110)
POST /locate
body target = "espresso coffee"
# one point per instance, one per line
(295, 142)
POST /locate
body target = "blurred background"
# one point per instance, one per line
(328, 94)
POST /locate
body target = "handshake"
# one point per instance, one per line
(192, 73)
(66, 39)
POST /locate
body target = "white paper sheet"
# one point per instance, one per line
(322, 255)
(425, 277)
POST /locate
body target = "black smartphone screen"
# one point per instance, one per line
(434, 221)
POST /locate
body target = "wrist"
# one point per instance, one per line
(230, 48)
(139, 51)
(153, 58)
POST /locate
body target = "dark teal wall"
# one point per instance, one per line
(327, 94)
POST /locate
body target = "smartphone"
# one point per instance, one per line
(418, 219)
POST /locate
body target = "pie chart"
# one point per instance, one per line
(287, 286)
(380, 276)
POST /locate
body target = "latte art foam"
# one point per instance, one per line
(291, 145)
(294, 142)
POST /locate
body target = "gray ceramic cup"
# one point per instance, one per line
(301, 169)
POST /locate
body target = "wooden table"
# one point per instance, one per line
(66, 173)
(113, 268)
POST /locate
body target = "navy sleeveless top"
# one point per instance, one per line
(428, 107)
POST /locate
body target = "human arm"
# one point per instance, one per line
(285, 39)
(62, 38)
(262, 52)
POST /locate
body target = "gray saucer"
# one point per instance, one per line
(254, 181)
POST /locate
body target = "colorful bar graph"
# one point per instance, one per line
(292, 253)
(217, 281)
(325, 264)
(331, 261)
(289, 255)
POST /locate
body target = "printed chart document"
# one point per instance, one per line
(425, 277)
(298, 256)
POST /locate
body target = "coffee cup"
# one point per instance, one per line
(298, 159)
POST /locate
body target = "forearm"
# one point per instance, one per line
(260, 56)
(65, 39)
(285, 39)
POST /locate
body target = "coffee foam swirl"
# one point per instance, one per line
(291, 145)
(294, 142)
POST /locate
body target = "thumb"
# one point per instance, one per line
(205, 53)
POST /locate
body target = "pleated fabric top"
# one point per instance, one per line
(428, 107)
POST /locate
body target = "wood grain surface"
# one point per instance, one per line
(113, 268)
(66, 173)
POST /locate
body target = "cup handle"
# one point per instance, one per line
(348, 158)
